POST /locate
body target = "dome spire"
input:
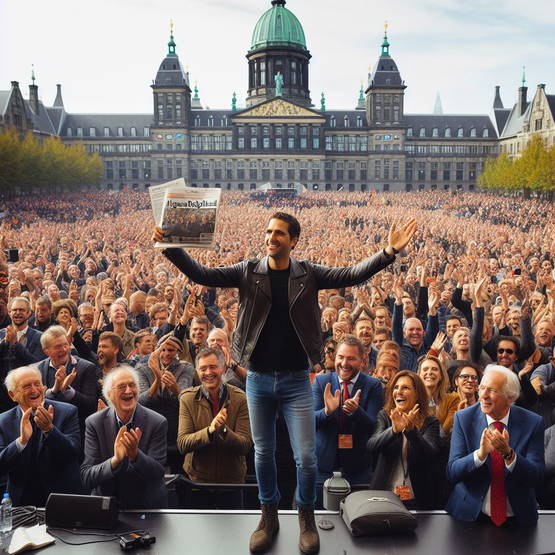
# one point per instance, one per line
(171, 44)
(278, 2)
(385, 43)
(523, 76)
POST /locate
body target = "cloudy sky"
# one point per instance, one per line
(106, 53)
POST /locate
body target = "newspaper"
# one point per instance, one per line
(157, 193)
(187, 215)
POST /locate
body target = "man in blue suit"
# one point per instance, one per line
(496, 459)
(39, 442)
(29, 338)
(68, 378)
(346, 403)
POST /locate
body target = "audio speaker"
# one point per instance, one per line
(81, 511)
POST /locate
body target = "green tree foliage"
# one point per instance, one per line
(534, 170)
(28, 163)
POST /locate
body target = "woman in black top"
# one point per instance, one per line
(406, 443)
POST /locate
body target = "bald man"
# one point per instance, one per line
(410, 336)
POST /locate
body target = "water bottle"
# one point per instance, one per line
(6, 514)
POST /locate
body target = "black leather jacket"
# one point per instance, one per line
(255, 296)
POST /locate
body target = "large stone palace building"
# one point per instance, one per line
(283, 136)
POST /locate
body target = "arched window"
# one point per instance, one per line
(485, 132)
(460, 132)
(473, 132)
(435, 132)
(422, 132)
(447, 131)
(332, 121)
(346, 121)
(409, 132)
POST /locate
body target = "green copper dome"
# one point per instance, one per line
(278, 27)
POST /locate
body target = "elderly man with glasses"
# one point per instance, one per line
(125, 447)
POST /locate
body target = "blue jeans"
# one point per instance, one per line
(292, 394)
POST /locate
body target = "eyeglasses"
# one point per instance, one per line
(468, 377)
(500, 351)
(123, 387)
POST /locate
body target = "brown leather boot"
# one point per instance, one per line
(263, 537)
(309, 541)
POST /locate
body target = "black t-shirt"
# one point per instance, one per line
(278, 347)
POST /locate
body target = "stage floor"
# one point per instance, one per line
(219, 533)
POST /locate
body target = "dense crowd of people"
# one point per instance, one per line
(118, 369)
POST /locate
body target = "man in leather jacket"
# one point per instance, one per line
(277, 337)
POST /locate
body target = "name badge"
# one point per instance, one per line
(403, 492)
(345, 441)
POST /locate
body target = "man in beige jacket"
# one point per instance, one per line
(214, 430)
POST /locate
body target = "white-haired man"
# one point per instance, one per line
(125, 446)
(496, 459)
(39, 441)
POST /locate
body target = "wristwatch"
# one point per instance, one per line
(508, 455)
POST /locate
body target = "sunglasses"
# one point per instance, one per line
(500, 351)
(468, 377)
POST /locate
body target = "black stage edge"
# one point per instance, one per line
(227, 533)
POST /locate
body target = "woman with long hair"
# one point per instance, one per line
(406, 443)
(436, 381)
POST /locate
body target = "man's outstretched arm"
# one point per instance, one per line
(398, 239)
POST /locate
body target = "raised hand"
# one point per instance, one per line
(59, 378)
(486, 446)
(44, 418)
(397, 420)
(398, 289)
(69, 379)
(411, 417)
(169, 381)
(154, 365)
(331, 402)
(500, 440)
(433, 302)
(219, 421)
(130, 440)
(11, 334)
(351, 405)
(398, 239)
(72, 329)
(439, 342)
(101, 405)
(25, 427)
(157, 234)
(463, 404)
(120, 451)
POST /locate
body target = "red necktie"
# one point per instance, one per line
(345, 395)
(345, 390)
(498, 498)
